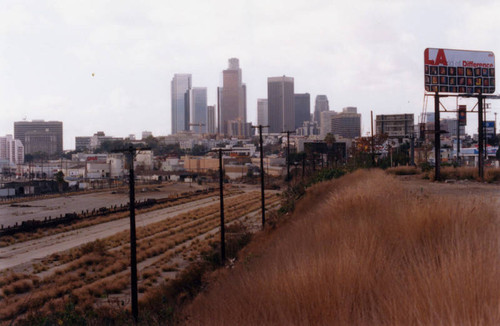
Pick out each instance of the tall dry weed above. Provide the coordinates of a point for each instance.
(364, 251)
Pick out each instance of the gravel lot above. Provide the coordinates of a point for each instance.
(39, 209)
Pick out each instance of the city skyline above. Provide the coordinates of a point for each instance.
(108, 66)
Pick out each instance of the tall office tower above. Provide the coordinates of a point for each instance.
(451, 125)
(321, 105)
(302, 109)
(40, 136)
(232, 97)
(326, 122)
(11, 150)
(262, 114)
(198, 109)
(395, 125)
(347, 123)
(82, 143)
(211, 119)
(180, 86)
(281, 106)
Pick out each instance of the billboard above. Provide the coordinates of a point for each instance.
(459, 71)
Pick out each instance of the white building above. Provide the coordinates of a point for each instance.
(11, 149)
(326, 122)
(262, 114)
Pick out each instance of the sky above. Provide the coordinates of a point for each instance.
(367, 54)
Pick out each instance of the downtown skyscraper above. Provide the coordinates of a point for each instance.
(198, 109)
(180, 86)
(232, 98)
(281, 104)
(302, 109)
(321, 105)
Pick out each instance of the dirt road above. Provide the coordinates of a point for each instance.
(24, 252)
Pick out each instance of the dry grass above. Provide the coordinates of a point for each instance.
(467, 173)
(364, 252)
(99, 268)
(404, 170)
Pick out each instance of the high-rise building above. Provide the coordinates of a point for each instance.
(395, 125)
(302, 109)
(11, 150)
(262, 114)
(232, 97)
(450, 126)
(326, 122)
(39, 136)
(198, 109)
(82, 143)
(280, 102)
(347, 123)
(320, 105)
(180, 86)
(211, 119)
(308, 128)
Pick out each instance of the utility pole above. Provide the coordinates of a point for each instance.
(130, 153)
(262, 174)
(412, 149)
(288, 132)
(373, 141)
(221, 190)
(133, 257)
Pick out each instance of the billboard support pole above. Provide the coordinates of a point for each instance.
(437, 139)
(372, 140)
(458, 139)
(480, 98)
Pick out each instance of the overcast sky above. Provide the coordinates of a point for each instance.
(367, 54)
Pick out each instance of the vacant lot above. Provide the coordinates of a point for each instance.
(39, 209)
(91, 265)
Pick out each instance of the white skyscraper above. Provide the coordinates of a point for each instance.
(11, 150)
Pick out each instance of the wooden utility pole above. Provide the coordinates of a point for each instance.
(133, 250)
(221, 190)
(263, 203)
(288, 132)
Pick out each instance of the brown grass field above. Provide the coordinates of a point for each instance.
(366, 250)
(97, 273)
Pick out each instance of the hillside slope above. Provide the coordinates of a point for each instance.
(363, 250)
